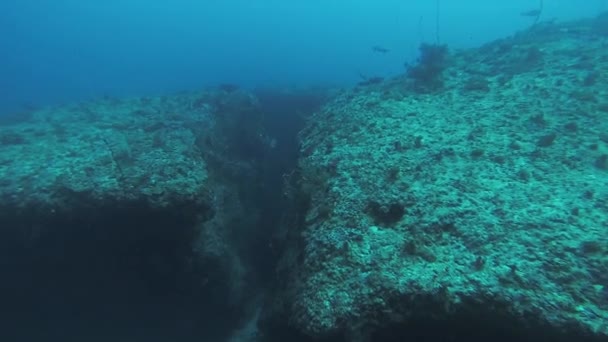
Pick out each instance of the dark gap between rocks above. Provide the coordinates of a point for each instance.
(131, 271)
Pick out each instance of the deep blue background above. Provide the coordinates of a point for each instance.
(55, 51)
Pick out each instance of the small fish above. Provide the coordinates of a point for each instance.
(228, 87)
(379, 49)
(367, 81)
(531, 13)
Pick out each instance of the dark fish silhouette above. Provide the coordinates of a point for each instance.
(379, 49)
(531, 13)
(366, 81)
(535, 13)
(371, 81)
(228, 87)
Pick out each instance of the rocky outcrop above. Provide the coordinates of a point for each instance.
(126, 212)
(476, 211)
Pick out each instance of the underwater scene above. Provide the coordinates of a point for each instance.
(270, 171)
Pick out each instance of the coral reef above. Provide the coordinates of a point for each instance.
(428, 72)
(471, 205)
(131, 206)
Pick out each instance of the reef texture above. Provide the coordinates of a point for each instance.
(153, 152)
(481, 197)
(108, 202)
(105, 152)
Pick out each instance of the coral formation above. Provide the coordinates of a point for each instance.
(428, 72)
(478, 194)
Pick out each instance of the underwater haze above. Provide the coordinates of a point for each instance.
(303, 171)
(64, 51)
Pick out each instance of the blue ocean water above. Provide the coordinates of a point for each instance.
(175, 203)
(62, 51)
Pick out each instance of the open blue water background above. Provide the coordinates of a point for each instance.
(62, 51)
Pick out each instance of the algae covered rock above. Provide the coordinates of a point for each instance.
(124, 211)
(468, 214)
(99, 154)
